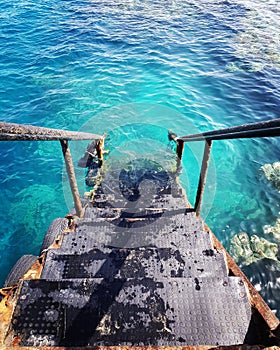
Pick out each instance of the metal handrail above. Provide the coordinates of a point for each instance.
(21, 132)
(261, 129)
(270, 128)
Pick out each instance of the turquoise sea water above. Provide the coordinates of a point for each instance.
(135, 69)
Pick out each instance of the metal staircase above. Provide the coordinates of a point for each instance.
(150, 276)
(135, 265)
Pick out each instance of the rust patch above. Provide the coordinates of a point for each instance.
(72, 222)
(7, 306)
(16, 341)
(5, 291)
(56, 244)
(35, 271)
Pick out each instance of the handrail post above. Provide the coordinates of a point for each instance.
(202, 178)
(99, 151)
(71, 177)
(179, 151)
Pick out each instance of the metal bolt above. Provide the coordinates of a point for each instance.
(225, 283)
(242, 295)
(241, 283)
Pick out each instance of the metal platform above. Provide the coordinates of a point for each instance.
(133, 275)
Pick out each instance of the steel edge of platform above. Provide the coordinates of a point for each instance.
(200, 347)
(255, 298)
(7, 306)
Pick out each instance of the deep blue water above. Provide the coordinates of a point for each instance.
(135, 69)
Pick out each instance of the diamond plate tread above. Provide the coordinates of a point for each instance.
(133, 263)
(93, 212)
(181, 231)
(106, 205)
(131, 312)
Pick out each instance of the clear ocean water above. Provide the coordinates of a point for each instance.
(135, 69)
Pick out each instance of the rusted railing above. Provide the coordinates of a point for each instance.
(20, 132)
(270, 128)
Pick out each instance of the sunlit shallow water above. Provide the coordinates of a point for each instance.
(135, 70)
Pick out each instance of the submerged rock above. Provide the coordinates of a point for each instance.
(240, 248)
(272, 173)
(246, 250)
(244, 67)
(274, 230)
(262, 248)
(258, 40)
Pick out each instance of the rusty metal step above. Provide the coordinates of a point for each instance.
(182, 231)
(133, 263)
(111, 202)
(178, 311)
